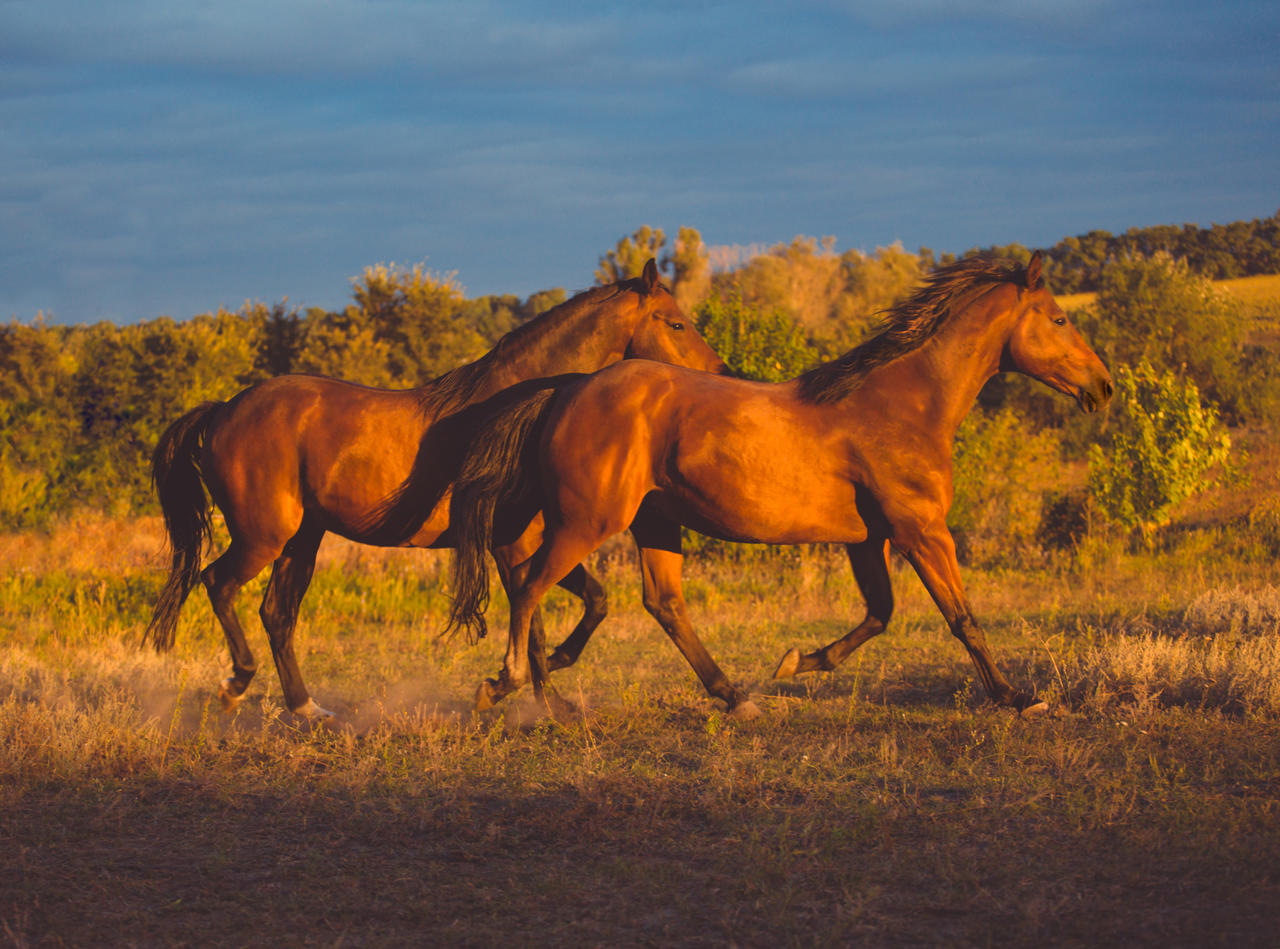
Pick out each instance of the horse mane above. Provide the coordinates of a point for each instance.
(458, 387)
(908, 325)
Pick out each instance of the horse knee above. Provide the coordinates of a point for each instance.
(664, 607)
(595, 604)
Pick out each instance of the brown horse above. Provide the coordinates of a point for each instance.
(856, 451)
(295, 456)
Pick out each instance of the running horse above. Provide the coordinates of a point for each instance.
(856, 451)
(293, 457)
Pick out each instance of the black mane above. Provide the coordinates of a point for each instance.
(906, 326)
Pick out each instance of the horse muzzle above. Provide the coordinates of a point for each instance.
(1095, 397)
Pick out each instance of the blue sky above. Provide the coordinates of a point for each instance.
(160, 158)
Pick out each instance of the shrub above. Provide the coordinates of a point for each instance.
(1004, 470)
(1158, 450)
(765, 346)
(1156, 310)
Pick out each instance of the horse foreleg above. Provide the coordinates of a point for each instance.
(870, 563)
(932, 552)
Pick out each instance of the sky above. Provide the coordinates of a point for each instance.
(165, 158)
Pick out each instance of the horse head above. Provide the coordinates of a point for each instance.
(1045, 345)
(662, 330)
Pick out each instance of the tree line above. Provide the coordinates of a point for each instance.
(1219, 252)
(81, 407)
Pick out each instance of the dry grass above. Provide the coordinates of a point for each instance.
(1259, 296)
(883, 803)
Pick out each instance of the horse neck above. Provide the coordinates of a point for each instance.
(588, 341)
(581, 339)
(949, 370)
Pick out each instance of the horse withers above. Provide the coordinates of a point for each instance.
(857, 451)
(293, 457)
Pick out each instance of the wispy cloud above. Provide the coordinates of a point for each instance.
(171, 157)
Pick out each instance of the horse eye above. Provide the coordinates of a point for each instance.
(676, 326)
(1061, 321)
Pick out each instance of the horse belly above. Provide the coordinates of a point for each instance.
(774, 500)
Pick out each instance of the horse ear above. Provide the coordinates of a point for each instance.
(650, 275)
(1035, 272)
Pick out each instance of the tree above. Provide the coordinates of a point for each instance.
(419, 317)
(628, 257)
(768, 347)
(1005, 469)
(691, 268)
(1156, 309)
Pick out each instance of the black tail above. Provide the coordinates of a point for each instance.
(499, 468)
(175, 472)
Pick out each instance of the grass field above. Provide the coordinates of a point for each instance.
(883, 803)
(1259, 295)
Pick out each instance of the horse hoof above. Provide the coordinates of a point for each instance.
(484, 696)
(789, 665)
(745, 711)
(561, 709)
(228, 695)
(313, 712)
(1034, 710)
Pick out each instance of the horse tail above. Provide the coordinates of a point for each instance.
(175, 472)
(499, 468)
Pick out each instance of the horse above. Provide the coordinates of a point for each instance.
(296, 456)
(857, 451)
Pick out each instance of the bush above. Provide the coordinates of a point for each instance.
(1004, 471)
(1158, 450)
(765, 346)
(1156, 310)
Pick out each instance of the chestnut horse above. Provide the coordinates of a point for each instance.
(295, 456)
(856, 451)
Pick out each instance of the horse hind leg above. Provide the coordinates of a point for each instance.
(223, 579)
(660, 566)
(290, 576)
(513, 574)
(558, 553)
(870, 563)
(595, 607)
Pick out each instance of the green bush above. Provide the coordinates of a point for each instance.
(1004, 470)
(1158, 450)
(765, 346)
(1156, 309)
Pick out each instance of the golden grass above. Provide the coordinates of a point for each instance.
(1259, 291)
(883, 803)
(1260, 295)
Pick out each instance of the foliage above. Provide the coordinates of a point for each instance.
(1158, 450)
(1004, 471)
(1157, 310)
(767, 347)
(416, 316)
(82, 406)
(630, 254)
(1218, 252)
(836, 297)
(691, 269)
